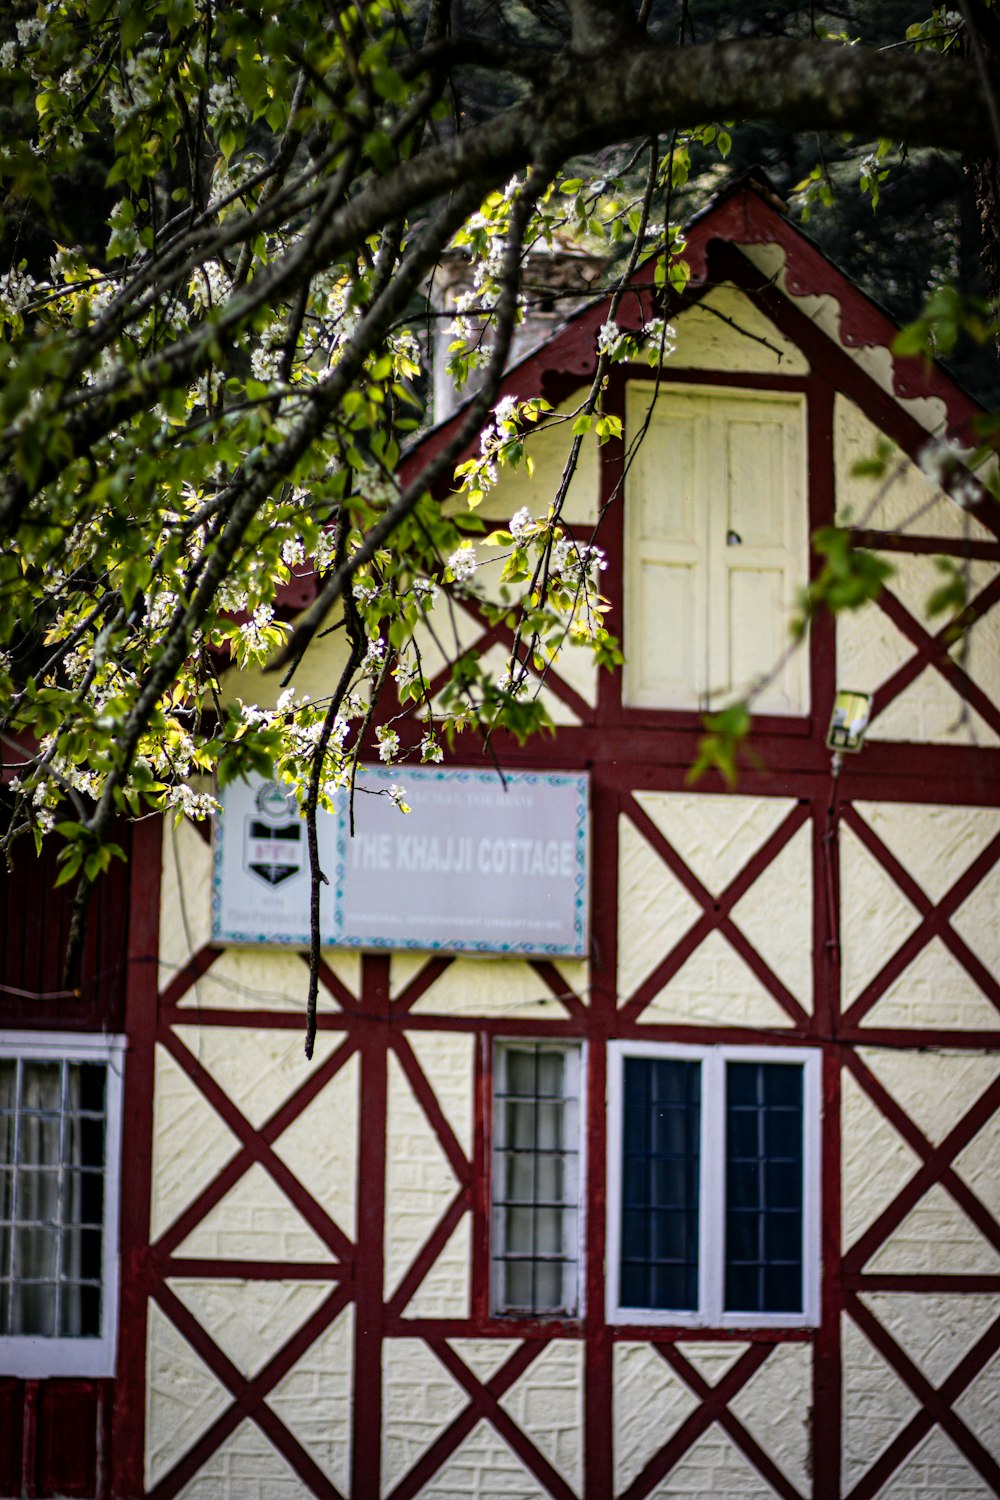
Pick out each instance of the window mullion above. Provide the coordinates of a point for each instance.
(713, 1187)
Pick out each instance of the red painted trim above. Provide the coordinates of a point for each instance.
(962, 1284)
(827, 1392)
(822, 644)
(29, 1440)
(482, 1178)
(648, 1333)
(913, 1037)
(366, 1438)
(127, 1456)
(249, 1020)
(598, 1435)
(222, 1269)
(910, 542)
(598, 1396)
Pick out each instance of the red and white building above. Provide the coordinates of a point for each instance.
(710, 1211)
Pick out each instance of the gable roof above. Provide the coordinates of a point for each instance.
(745, 231)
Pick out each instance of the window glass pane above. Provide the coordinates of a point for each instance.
(80, 1311)
(660, 1183)
(38, 1139)
(34, 1309)
(41, 1086)
(92, 1077)
(764, 1191)
(35, 1252)
(6, 1194)
(536, 1146)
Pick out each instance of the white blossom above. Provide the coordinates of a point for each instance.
(293, 552)
(210, 285)
(430, 750)
(940, 458)
(462, 564)
(192, 804)
(374, 655)
(388, 743)
(521, 524)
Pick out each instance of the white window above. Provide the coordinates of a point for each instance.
(537, 1172)
(60, 1125)
(713, 1185)
(716, 547)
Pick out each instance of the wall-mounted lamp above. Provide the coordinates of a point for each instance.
(849, 720)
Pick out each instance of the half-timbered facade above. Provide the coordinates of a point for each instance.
(713, 1211)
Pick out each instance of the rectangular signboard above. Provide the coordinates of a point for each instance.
(478, 865)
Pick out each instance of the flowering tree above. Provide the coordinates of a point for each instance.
(220, 221)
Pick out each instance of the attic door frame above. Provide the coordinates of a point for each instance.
(716, 404)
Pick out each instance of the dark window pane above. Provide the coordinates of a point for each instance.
(81, 1254)
(783, 1236)
(783, 1133)
(763, 1187)
(660, 1184)
(85, 1138)
(743, 1235)
(783, 1184)
(91, 1078)
(742, 1289)
(6, 1194)
(743, 1183)
(741, 1127)
(783, 1084)
(783, 1288)
(8, 1083)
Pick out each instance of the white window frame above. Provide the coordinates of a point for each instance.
(577, 1050)
(712, 1194)
(35, 1356)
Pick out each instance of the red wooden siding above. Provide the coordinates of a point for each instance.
(34, 926)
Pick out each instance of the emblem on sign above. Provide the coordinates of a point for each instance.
(273, 842)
